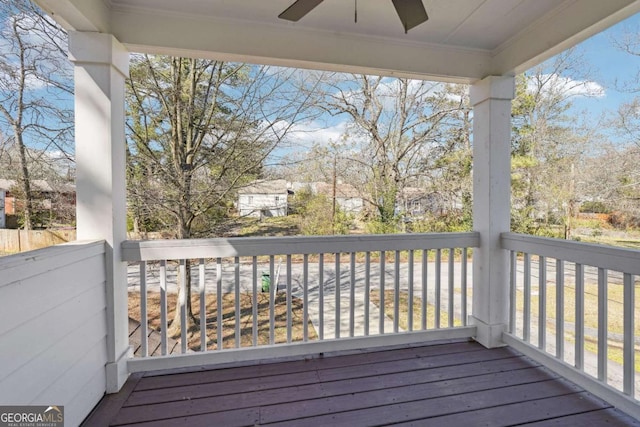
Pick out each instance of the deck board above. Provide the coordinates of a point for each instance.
(447, 383)
(423, 362)
(331, 388)
(520, 412)
(400, 400)
(154, 340)
(593, 418)
(418, 409)
(320, 363)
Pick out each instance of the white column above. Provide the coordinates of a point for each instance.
(101, 66)
(491, 100)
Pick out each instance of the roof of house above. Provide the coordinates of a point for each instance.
(413, 193)
(39, 185)
(263, 186)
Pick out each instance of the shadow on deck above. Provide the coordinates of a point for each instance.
(452, 383)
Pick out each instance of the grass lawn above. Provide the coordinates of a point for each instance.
(615, 319)
(229, 318)
(630, 242)
(275, 226)
(403, 321)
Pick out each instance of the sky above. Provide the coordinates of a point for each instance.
(611, 68)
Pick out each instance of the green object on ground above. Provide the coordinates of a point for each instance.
(266, 281)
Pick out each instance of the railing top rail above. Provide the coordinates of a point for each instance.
(611, 258)
(28, 264)
(149, 250)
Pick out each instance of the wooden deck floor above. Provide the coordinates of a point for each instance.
(154, 340)
(454, 383)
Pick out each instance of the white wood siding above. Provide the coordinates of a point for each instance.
(267, 204)
(53, 328)
(350, 205)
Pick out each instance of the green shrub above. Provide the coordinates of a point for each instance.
(315, 212)
(594, 207)
(378, 227)
(454, 222)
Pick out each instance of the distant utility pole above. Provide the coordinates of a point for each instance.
(335, 177)
(572, 202)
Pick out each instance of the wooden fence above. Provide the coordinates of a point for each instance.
(14, 241)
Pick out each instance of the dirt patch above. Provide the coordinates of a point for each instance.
(229, 318)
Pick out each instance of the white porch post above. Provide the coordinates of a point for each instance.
(491, 100)
(101, 66)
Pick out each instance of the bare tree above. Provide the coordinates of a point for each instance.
(548, 140)
(613, 180)
(198, 131)
(448, 169)
(395, 124)
(35, 89)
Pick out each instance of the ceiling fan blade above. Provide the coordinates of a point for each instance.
(411, 12)
(299, 9)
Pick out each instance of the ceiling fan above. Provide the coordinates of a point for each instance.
(411, 12)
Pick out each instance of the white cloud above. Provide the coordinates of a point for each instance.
(306, 135)
(553, 83)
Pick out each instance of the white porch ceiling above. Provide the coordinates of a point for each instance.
(463, 40)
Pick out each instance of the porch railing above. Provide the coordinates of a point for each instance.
(327, 293)
(573, 307)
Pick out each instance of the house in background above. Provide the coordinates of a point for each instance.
(264, 198)
(270, 198)
(8, 198)
(415, 202)
(348, 198)
(52, 200)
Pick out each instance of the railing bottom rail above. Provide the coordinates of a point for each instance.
(295, 350)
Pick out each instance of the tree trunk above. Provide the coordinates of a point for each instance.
(184, 292)
(184, 296)
(25, 181)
